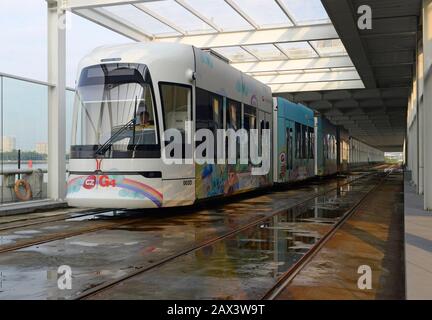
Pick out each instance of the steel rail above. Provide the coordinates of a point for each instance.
(42, 220)
(65, 235)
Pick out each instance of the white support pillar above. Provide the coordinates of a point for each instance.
(414, 135)
(427, 100)
(421, 117)
(56, 101)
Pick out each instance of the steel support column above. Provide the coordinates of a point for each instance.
(56, 100)
(427, 99)
(421, 123)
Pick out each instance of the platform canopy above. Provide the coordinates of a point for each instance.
(290, 45)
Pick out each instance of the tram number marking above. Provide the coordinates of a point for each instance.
(103, 181)
(187, 182)
(90, 182)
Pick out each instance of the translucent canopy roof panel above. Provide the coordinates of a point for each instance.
(265, 13)
(222, 14)
(265, 52)
(235, 54)
(143, 21)
(307, 12)
(327, 48)
(298, 50)
(289, 44)
(176, 15)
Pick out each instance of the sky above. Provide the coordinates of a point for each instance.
(23, 52)
(23, 39)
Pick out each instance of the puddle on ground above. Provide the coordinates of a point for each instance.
(11, 238)
(27, 232)
(102, 216)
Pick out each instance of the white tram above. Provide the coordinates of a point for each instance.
(127, 96)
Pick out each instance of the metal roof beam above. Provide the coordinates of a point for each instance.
(290, 65)
(107, 20)
(309, 77)
(88, 4)
(243, 14)
(285, 10)
(317, 86)
(198, 15)
(160, 18)
(267, 36)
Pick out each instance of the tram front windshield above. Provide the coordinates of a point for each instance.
(114, 113)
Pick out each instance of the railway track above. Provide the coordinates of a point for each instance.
(130, 221)
(41, 220)
(289, 275)
(108, 285)
(64, 235)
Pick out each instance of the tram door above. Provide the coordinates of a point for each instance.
(261, 126)
(265, 121)
(269, 125)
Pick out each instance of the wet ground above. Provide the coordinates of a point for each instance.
(240, 266)
(376, 232)
(247, 264)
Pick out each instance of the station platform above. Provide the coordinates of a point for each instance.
(418, 245)
(373, 237)
(30, 206)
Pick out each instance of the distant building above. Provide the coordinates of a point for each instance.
(8, 145)
(394, 156)
(42, 148)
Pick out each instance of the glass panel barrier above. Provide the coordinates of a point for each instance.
(24, 137)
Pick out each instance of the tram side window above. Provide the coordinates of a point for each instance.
(249, 121)
(233, 115)
(326, 146)
(311, 143)
(305, 142)
(233, 121)
(209, 112)
(176, 105)
(204, 116)
(333, 147)
(298, 140)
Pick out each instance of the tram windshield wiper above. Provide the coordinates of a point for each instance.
(104, 148)
(108, 144)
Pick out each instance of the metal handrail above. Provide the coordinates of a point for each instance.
(39, 82)
(21, 171)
